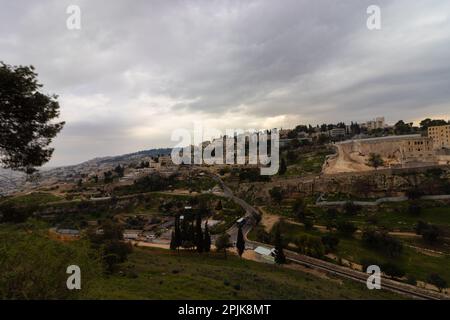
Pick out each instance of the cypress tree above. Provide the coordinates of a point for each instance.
(283, 167)
(199, 234)
(207, 239)
(178, 240)
(280, 258)
(173, 245)
(240, 243)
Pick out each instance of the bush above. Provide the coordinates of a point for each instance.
(351, 209)
(330, 242)
(381, 241)
(436, 280)
(392, 270)
(310, 246)
(346, 228)
(430, 233)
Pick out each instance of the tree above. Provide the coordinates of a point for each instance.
(240, 243)
(120, 171)
(310, 246)
(199, 234)
(383, 242)
(173, 244)
(280, 258)
(276, 194)
(403, 128)
(430, 233)
(207, 239)
(177, 232)
(110, 245)
(414, 193)
(330, 242)
(283, 167)
(27, 117)
(299, 209)
(223, 242)
(425, 124)
(375, 160)
(347, 228)
(436, 280)
(351, 209)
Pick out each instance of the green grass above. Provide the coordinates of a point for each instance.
(414, 263)
(153, 274)
(308, 163)
(32, 199)
(395, 216)
(168, 275)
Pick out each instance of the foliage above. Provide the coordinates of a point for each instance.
(276, 194)
(437, 280)
(240, 242)
(330, 242)
(27, 117)
(280, 258)
(223, 242)
(346, 227)
(381, 241)
(375, 160)
(34, 267)
(310, 246)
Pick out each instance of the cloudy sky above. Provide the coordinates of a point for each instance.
(139, 69)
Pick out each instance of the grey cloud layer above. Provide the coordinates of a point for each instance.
(139, 69)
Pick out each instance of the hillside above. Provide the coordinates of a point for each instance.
(162, 274)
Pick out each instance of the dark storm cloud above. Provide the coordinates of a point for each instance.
(136, 70)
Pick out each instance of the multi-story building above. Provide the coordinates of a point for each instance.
(377, 123)
(419, 149)
(440, 136)
(337, 132)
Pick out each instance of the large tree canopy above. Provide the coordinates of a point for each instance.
(27, 116)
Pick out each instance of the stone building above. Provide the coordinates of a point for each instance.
(418, 149)
(440, 136)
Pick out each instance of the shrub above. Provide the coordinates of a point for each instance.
(346, 228)
(436, 280)
(330, 242)
(381, 241)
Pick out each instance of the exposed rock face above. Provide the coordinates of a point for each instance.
(381, 183)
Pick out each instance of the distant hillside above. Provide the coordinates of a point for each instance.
(11, 181)
(133, 156)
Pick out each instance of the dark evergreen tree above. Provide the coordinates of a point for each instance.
(173, 243)
(199, 234)
(240, 243)
(178, 239)
(207, 239)
(280, 258)
(283, 167)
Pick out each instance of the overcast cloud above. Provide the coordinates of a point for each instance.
(139, 69)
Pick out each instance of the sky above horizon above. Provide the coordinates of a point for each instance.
(137, 70)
